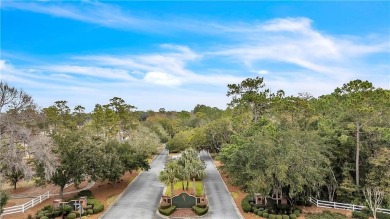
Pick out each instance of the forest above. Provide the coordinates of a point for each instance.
(334, 147)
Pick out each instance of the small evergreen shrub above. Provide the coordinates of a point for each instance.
(293, 216)
(285, 217)
(167, 211)
(71, 216)
(256, 211)
(56, 213)
(49, 215)
(246, 206)
(89, 211)
(297, 212)
(265, 215)
(278, 216)
(359, 215)
(260, 213)
(272, 216)
(44, 217)
(200, 211)
(87, 193)
(380, 215)
(201, 205)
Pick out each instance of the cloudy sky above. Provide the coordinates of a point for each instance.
(179, 54)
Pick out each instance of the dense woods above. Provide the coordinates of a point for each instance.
(335, 147)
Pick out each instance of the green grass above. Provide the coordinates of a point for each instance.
(178, 186)
(326, 215)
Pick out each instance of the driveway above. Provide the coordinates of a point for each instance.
(219, 198)
(141, 198)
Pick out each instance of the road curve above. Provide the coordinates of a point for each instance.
(219, 198)
(141, 198)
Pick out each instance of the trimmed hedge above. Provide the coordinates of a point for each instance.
(293, 216)
(97, 205)
(265, 215)
(200, 211)
(246, 206)
(278, 217)
(44, 217)
(297, 212)
(167, 211)
(285, 217)
(87, 193)
(89, 211)
(71, 216)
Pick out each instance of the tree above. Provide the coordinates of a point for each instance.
(191, 166)
(170, 174)
(70, 149)
(250, 92)
(378, 180)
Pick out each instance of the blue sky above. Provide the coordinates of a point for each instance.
(175, 55)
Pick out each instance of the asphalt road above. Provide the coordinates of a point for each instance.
(141, 198)
(220, 201)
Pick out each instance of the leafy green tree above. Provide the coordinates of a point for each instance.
(70, 149)
(3, 200)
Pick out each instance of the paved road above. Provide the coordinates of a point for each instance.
(141, 198)
(220, 201)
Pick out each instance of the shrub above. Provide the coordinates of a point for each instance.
(97, 205)
(56, 213)
(271, 216)
(89, 211)
(71, 216)
(200, 211)
(167, 211)
(201, 205)
(359, 215)
(381, 215)
(39, 215)
(87, 193)
(297, 212)
(285, 217)
(260, 213)
(278, 216)
(165, 205)
(49, 215)
(265, 215)
(293, 216)
(48, 208)
(44, 217)
(246, 207)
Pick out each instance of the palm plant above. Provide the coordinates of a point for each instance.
(170, 174)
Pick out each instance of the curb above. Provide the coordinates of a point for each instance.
(227, 189)
(127, 187)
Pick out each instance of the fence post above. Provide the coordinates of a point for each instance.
(23, 208)
(317, 202)
(310, 199)
(334, 204)
(40, 198)
(353, 207)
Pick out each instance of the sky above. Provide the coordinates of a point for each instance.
(175, 55)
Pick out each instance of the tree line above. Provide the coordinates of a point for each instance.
(334, 147)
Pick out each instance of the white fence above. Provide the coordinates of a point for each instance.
(27, 205)
(352, 207)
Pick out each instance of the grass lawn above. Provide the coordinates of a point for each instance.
(178, 188)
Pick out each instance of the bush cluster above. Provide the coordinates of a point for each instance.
(97, 205)
(167, 211)
(200, 211)
(71, 216)
(87, 193)
(246, 206)
(94, 206)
